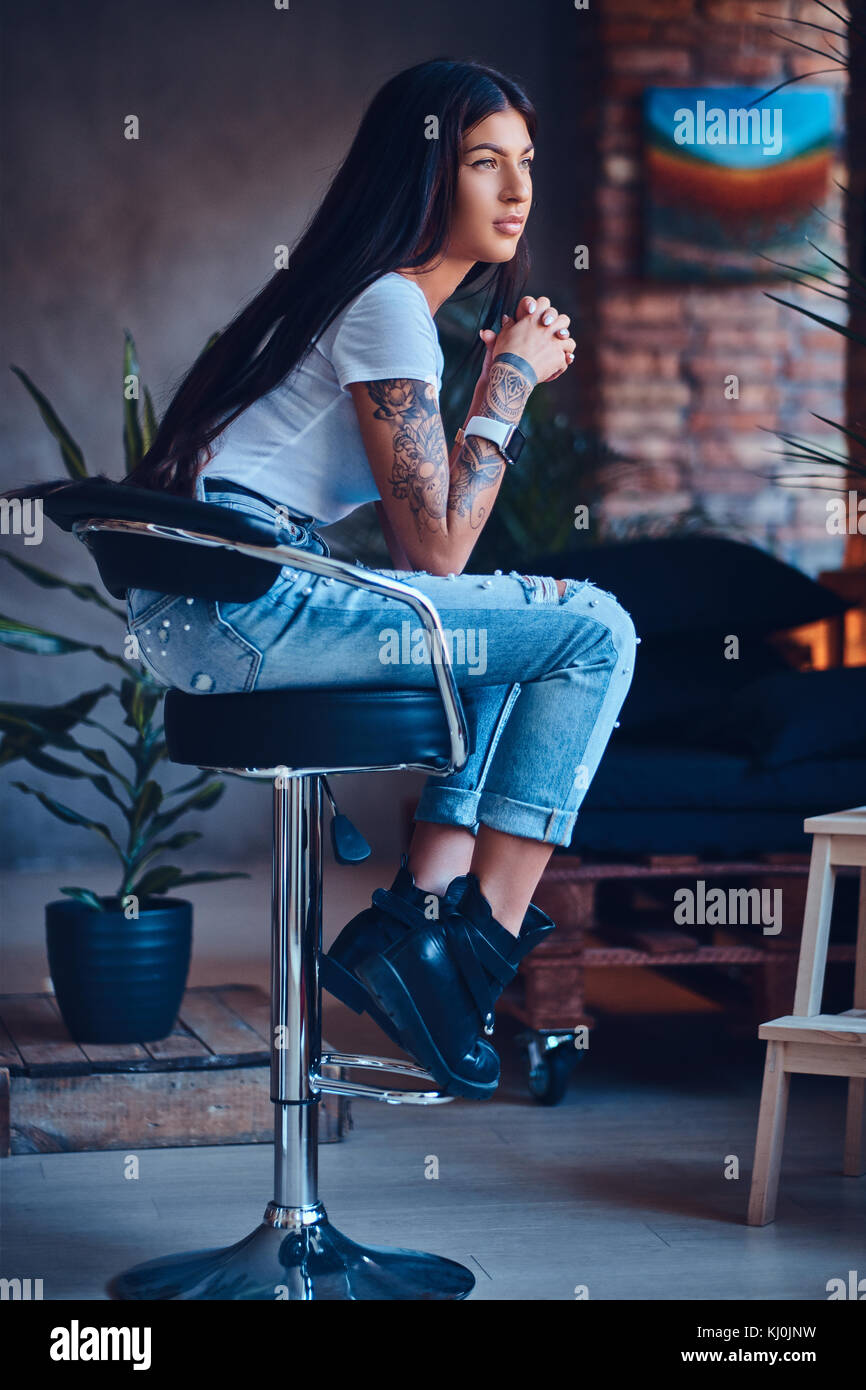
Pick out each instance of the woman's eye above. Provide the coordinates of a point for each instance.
(491, 163)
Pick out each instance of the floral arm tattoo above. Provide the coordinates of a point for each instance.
(420, 472)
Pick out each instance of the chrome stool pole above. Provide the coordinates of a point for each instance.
(296, 1029)
(295, 1254)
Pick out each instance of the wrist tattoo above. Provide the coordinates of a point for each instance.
(510, 382)
(520, 363)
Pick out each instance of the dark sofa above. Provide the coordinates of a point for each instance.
(717, 756)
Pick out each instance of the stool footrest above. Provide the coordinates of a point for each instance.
(334, 1086)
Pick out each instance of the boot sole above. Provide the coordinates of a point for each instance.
(343, 985)
(387, 988)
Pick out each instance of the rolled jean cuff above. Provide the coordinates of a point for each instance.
(449, 806)
(523, 818)
(457, 806)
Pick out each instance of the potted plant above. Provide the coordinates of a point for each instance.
(118, 962)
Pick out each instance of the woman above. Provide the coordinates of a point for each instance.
(340, 407)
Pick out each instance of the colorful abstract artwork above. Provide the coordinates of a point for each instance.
(733, 175)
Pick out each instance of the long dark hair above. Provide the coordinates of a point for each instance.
(390, 205)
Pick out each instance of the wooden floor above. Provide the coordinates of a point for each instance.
(621, 1188)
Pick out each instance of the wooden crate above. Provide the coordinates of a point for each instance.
(208, 1082)
(550, 989)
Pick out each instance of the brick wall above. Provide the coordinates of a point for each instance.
(661, 350)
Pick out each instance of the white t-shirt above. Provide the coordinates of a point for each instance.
(301, 443)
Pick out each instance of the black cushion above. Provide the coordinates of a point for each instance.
(678, 680)
(324, 728)
(789, 717)
(167, 566)
(695, 779)
(685, 584)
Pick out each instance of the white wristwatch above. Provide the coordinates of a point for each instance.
(508, 439)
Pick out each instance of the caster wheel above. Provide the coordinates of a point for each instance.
(548, 1075)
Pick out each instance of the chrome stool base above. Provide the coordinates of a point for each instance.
(295, 1253)
(294, 1262)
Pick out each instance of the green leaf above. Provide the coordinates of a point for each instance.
(146, 805)
(103, 785)
(155, 754)
(100, 758)
(128, 745)
(32, 755)
(112, 659)
(65, 813)
(55, 718)
(37, 640)
(73, 459)
(29, 727)
(149, 424)
(179, 841)
(138, 703)
(156, 881)
(202, 800)
(843, 429)
(852, 274)
(209, 344)
(45, 763)
(45, 580)
(819, 318)
(198, 781)
(132, 442)
(84, 895)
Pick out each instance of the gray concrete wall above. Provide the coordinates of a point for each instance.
(245, 111)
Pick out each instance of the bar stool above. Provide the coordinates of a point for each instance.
(292, 738)
(807, 1040)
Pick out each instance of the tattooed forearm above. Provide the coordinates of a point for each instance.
(419, 473)
(438, 490)
(479, 466)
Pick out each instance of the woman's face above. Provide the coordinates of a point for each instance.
(494, 189)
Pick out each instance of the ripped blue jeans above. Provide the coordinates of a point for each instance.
(542, 678)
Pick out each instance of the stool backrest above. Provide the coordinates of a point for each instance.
(144, 561)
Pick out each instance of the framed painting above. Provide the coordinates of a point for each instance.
(734, 176)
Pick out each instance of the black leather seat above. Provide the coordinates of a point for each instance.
(316, 728)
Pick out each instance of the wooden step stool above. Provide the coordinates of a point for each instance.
(807, 1040)
(208, 1082)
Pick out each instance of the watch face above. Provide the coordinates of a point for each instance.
(515, 445)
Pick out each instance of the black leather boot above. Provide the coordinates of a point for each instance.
(395, 911)
(439, 984)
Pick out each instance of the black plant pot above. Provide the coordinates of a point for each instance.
(119, 979)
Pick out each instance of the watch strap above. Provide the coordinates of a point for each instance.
(507, 437)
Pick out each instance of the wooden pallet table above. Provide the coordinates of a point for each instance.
(208, 1082)
(549, 993)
